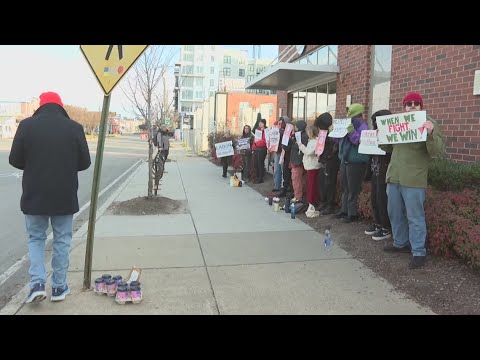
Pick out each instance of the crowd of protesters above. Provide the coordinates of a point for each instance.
(398, 178)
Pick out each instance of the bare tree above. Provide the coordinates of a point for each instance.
(141, 89)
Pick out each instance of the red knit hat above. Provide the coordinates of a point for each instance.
(50, 97)
(413, 97)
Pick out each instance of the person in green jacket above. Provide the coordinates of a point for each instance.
(406, 186)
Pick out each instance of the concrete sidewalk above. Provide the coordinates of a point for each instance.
(230, 254)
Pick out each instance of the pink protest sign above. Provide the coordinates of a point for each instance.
(320, 146)
(286, 134)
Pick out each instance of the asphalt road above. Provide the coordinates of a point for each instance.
(120, 153)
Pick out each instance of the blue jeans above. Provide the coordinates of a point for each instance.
(277, 175)
(62, 236)
(407, 216)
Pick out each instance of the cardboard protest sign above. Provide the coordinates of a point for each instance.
(224, 149)
(298, 137)
(274, 139)
(243, 144)
(267, 136)
(258, 135)
(402, 128)
(282, 157)
(286, 134)
(320, 144)
(340, 127)
(369, 143)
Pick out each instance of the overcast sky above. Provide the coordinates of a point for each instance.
(28, 70)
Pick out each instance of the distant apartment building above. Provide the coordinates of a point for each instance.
(13, 111)
(206, 69)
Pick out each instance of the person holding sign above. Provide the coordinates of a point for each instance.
(246, 153)
(311, 164)
(406, 185)
(277, 167)
(296, 159)
(260, 152)
(380, 229)
(329, 165)
(353, 165)
(226, 159)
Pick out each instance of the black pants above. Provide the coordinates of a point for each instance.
(328, 184)
(259, 159)
(165, 154)
(225, 161)
(246, 165)
(287, 176)
(378, 200)
(352, 175)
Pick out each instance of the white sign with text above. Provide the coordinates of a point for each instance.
(369, 143)
(340, 127)
(402, 128)
(224, 149)
(274, 139)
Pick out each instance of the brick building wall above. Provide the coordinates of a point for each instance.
(443, 75)
(354, 77)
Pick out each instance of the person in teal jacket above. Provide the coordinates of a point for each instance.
(406, 186)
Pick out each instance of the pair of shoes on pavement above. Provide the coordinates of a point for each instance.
(311, 212)
(415, 263)
(38, 293)
(378, 233)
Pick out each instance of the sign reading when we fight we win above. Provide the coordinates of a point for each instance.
(402, 128)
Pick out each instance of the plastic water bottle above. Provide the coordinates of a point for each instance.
(292, 210)
(328, 242)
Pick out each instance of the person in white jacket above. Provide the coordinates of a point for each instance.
(311, 164)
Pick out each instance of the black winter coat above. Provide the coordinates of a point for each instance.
(50, 148)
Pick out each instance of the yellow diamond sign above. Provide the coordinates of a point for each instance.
(110, 62)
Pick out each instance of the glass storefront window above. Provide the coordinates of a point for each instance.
(323, 56)
(311, 104)
(332, 54)
(322, 98)
(381, 77)
(332, 97)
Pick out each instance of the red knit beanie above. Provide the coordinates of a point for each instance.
(413, 97)
(50, 97)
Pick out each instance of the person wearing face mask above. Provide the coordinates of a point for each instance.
(406, 186)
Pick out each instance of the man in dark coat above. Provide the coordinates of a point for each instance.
(50, 148)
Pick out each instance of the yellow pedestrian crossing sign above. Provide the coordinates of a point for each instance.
(110, 62)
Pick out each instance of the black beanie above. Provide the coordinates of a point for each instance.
(379, 113)
(323, 121)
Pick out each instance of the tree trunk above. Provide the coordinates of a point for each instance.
(150, 150)
(150, 163)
